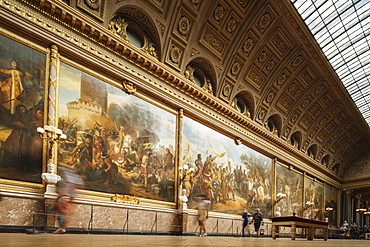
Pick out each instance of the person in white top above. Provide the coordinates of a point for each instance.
(203, 208)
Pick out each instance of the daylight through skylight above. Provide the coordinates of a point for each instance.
(342, 28)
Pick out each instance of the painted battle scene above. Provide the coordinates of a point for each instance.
(22, 80)
(289, 183)
(117, 142)
(232, 176)
(313, 192)
(331, 205)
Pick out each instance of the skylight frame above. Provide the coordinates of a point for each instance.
(343, 35)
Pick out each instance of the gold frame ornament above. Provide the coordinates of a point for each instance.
(125, 199)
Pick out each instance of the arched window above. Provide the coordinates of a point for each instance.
(273, 124)
(130, 28)
(295, 139)
(198, 71)
(311, 152)
(325, 161)
(242, 105)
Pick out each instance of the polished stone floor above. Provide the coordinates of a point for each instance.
(71, 240)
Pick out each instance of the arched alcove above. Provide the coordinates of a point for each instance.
(325, 161)
(312, 151)
(200, 71)
(244, 103)
(136, 27)
(296, 139)
(273, 124)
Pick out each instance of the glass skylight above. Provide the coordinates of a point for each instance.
(342, 30)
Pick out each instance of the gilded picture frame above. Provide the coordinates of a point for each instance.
(231, 176)
(23, 76)
(119, 143)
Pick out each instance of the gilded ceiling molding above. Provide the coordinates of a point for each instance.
(226, 115)
(161, 27)
(93, 7)
(313, 48)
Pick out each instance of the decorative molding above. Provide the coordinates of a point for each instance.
(125, 199)
(129, 86)
(93, 7)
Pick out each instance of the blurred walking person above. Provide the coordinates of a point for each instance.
(203, 208)
(66, 190)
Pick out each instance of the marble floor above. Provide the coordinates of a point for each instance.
(71, 240)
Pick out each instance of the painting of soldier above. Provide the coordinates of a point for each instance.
(232, 177)
(290, 183)
(118, 143)
(313, 199)
(22, 79)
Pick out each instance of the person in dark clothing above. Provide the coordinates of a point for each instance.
(258, 221)
(245, 217)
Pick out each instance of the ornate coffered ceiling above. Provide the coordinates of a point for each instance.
(260, 50)
(264, 50)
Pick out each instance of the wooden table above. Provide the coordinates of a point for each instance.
(295, 222)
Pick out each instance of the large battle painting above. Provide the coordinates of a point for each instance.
(289, 183)
(22, 79)
(118, 143)
(331, 205)
(313, 192)
(232, 176)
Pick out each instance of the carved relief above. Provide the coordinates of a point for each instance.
(219, 13)
(195, 3)
(286, 133)
(213, 41)
(129, 86)
(232, 24)
(140, 17)
(284, 104)
(158, 4)
(263, 57)
(93, 7)
(307, 75)
(161, 27)
(305, 122)
(294, 118)
(305, 103)
(235, 67)
(208, 87)
(175, 53)
(226, 90)
(248, 44)
(255, 78)
(184, 23)
(271, 64)
(261, 115)
(282, 78)
(280, 42)
(194, 52)
(265, 20)
(319, 89)
(298, 60)
(125, 199)
(118, 26)
(270, 97)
